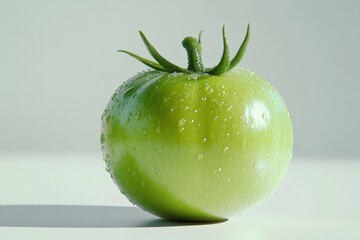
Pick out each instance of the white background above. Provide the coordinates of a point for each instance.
(59, 66)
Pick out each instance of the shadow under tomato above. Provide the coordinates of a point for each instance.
(79, 216)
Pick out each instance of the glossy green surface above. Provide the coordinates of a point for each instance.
(196, 147)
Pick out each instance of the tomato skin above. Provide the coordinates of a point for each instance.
(196, 147)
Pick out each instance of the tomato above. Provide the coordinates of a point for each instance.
(196, 144)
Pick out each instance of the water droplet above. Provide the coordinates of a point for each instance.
(268, 155)
(289, 150)
(226, 149)
(200, 156)
(157, 172)
(210, 90)
(138, 115)
(228, 134)
(182, 122)
(228, 179)
(195, 110)
(102, 138)
(107, 118)
(204, 139)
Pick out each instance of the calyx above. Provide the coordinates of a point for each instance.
(193, 48)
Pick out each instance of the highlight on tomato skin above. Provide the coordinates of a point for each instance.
(196, 143)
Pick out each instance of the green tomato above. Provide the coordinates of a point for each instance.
(196, 146)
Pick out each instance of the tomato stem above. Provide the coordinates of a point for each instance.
(193, 49)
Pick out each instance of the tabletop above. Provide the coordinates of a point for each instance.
(71, 196)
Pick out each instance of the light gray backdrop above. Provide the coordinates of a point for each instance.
(59, 66)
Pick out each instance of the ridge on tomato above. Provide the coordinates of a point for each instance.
(196, 144)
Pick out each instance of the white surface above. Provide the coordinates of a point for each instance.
(72, 197)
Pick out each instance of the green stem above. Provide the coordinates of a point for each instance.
(195, 64)
(193, 49)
